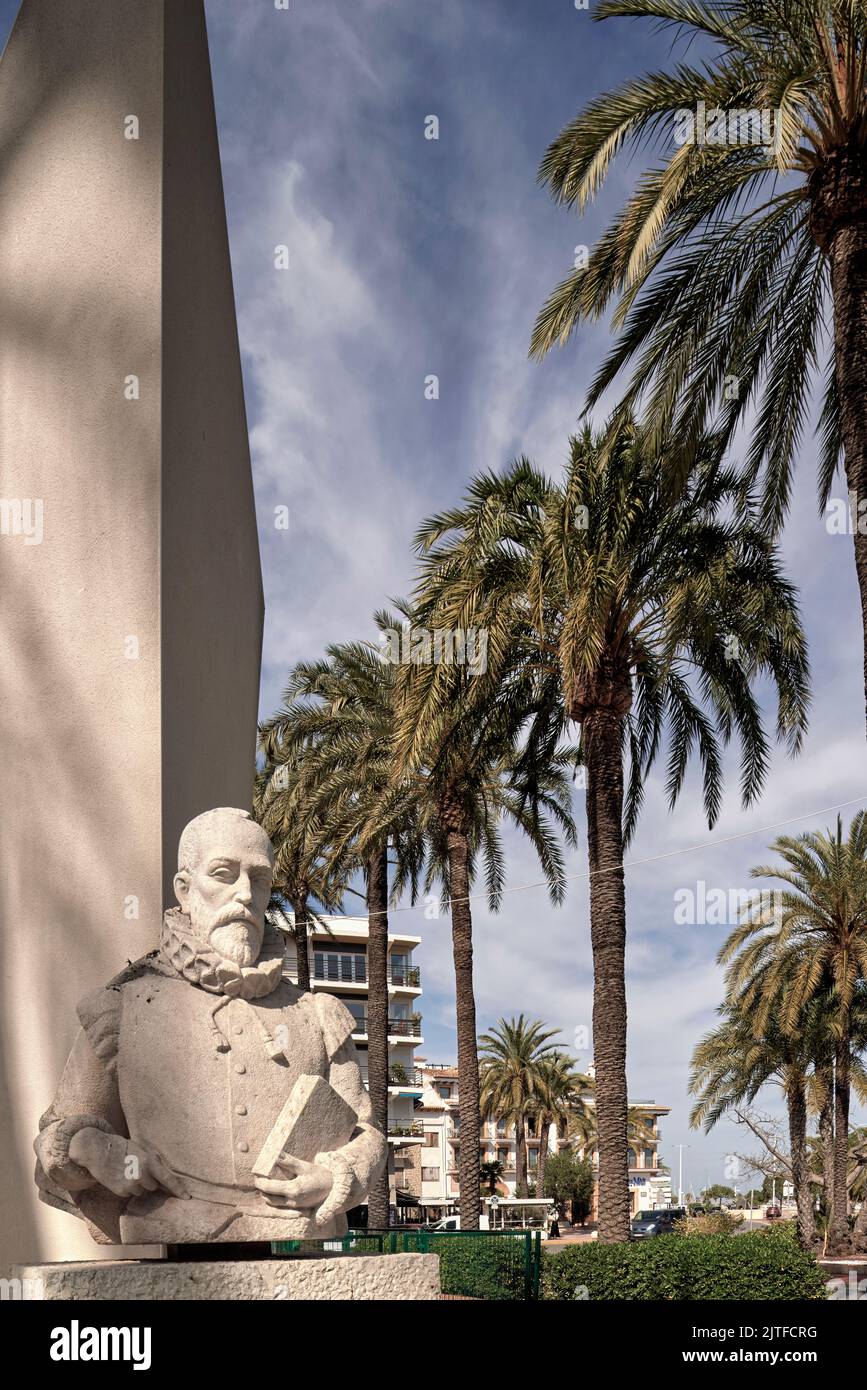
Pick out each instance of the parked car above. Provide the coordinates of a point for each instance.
(448, 1223)
(655, 1223)
(772, 1213)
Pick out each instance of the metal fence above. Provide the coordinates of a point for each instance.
(490, 1265)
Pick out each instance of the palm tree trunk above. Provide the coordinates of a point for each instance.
(797, 1107)
(826, 1134)
(601, 738)
(838, 1238)
(299, 931)
(543, 1158)
(859, 1230)
(465, 1005)
(377, 1021)
(520, 1157)
(848, 262)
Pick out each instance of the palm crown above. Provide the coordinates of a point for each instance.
(807, 948)
(605, 592)
(721, 260)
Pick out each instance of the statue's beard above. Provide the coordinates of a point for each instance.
(233, 932)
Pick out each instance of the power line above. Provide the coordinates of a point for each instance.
(651, 859)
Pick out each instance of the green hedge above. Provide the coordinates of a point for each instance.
(477, 1264)
(748, 1267)
(475, 1267)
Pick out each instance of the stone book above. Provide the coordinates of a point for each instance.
(314, 1120)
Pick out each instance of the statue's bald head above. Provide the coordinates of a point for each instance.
(217, 824)
(225, 867)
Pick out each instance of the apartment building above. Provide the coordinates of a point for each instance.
(337, 951)
(438, 1184)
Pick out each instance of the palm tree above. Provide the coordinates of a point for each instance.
(340, 711)
(628, 611)
(513, 1059)
(726, 258)
(307, 868)
(467, 772)
(491, 1173)
(731, 1064)
(811, 943)
(582, 1126)
(560, 1094)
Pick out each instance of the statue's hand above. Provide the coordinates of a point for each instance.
(308, 1188)
(126, 1167)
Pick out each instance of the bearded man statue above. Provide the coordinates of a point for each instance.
(185, 1062)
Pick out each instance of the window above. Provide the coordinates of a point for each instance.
(444, 1092)
(431, 1139)
(631, 1159)
(649, 1158)
(533, 1159)
(338, 964)
(430, 1174)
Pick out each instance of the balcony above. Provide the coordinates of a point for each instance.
(407, 1078)
(403, 1134)
(352, 970)
(339, 970)
(397, 1027)
(404, 977)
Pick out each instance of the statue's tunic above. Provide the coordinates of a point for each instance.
(195, 1057)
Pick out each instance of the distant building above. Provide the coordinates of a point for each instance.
(437, 1183)
(337, 951)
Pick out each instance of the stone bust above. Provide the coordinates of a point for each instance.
(184, 1061)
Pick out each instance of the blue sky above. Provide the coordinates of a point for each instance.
(410, 257)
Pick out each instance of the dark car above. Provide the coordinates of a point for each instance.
(655, 1223)
(772, 1213)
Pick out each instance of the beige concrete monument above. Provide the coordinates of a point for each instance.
(131, 613)
(207, 1098)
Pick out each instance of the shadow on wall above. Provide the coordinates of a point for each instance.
(79, 723)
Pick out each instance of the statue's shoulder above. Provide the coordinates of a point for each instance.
(335, 1020)
(332, 1017)
(99, 1012)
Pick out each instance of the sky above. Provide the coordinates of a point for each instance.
(410, 258)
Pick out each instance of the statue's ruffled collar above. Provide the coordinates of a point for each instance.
(202, 966)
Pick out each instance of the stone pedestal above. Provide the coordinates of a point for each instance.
(131, 617)
(318, 1278)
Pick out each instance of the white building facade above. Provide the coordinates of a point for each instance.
(439, 1185)
(337, 951)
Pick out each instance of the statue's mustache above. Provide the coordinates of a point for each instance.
(229, 916)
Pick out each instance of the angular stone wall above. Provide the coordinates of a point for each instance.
(343, 1278)
(130, 629)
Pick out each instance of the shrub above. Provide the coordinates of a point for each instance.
(480, 1266)
(781, 1230)
(712, 1223)
(704, 1267)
